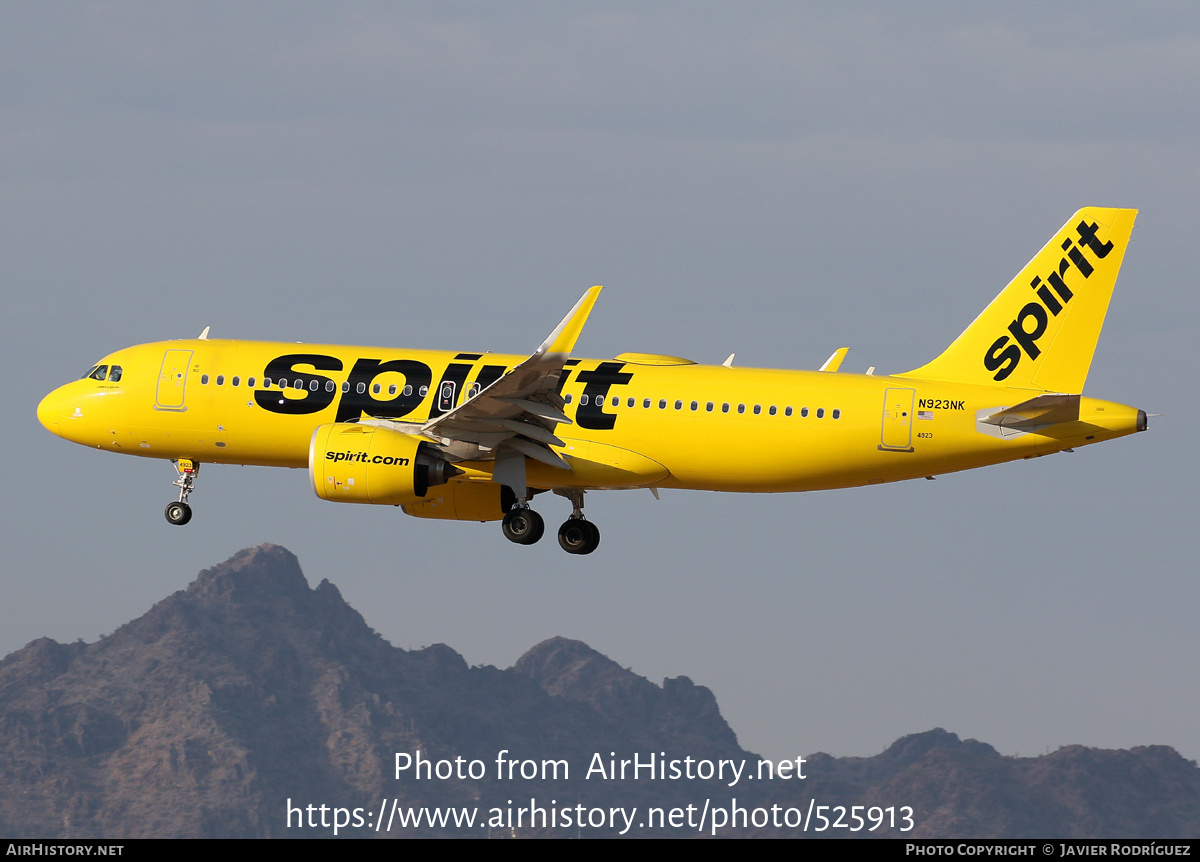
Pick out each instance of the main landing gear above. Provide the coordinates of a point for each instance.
(523, 525)
(577, 535)
(180, 513)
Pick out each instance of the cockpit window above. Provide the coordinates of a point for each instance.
(85, 375)
(114, 374)
(99, 372)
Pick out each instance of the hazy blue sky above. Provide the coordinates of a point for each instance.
(775, 179)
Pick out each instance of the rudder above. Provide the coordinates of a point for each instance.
(1041, 331)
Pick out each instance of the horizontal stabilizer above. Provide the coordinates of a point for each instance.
(1036, 413)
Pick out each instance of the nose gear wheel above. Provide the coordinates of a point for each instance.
(180, 513)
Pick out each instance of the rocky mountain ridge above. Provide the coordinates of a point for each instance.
(208, 714)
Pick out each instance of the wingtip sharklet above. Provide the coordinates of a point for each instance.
(834, 362)
(562, 339)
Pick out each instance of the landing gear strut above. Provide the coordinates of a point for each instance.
(577, 535)
(180, 513)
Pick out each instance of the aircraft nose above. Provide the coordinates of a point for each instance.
(50, 412)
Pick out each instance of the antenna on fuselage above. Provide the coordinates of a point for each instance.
(728, 363)
(204, 334)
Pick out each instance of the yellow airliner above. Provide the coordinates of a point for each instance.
(474, 436)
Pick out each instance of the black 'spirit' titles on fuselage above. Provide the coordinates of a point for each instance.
(354, 403)
(315, 399)
(596, 385)
(448, 388)
(1003, 357)
(309, 392)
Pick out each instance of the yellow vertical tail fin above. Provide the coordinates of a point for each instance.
(1041, 331)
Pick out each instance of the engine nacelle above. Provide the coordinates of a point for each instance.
(353, 463)
(465, 501)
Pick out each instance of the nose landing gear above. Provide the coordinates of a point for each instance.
(180, 513)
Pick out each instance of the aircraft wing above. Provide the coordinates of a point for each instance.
(522, 408)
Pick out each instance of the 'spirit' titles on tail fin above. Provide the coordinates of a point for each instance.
(1041, 331)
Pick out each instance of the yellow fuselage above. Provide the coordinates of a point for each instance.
(660, 422)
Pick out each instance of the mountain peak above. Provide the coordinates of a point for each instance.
(210, 713)
(251, 575)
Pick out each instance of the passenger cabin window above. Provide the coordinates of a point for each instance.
(646, 403)
(820, 412)
(346, 386)
(204, 379)
(220, 379)
(567, 399)
(424, 391)
(583, 400)
(408, 389)
(330, 386)
(804, 412)
(772, 410)
(725, 407)
(375, 390)
(837, 414)
(616, 402)
(266, 382)
(235, 381)
(741, 408)
(678, 405)
(392, 389)
(361, 388)
(662, 404)
(787, 411)
(299, 384)
(695, 404)
(757, 409)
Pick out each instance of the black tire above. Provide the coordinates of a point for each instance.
(577, 536)
(593, 541)
(523, 526)
(573, 535)
(178, 513)
(539, 528)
